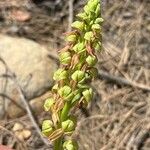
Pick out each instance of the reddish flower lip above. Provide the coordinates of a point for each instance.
(2, 147)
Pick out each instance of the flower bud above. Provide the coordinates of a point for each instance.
(99, 20)
(47, 127)
(65, 58)
(48, 104)
(96, 27)
(91, 60)
(82, 16)
(60, 74)
(87, 9)
(79, 48)
(89, 36)
(78, 25)
(78, 76)
(88, 94)
(71, 38)
(69, 125)
(66, 93)
(92, 5)
(98, 8)
(70, 145)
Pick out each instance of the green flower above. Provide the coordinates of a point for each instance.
(71, 38)
(91, 60)
(47, 127)
(48, 104)
(89, 36)
(69, 125)
(60, 74)
(65, 58)
(66, 93)
(88, 94)
(78, 25)
(78, 76)
(70, 145)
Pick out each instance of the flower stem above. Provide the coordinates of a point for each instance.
(65, 111)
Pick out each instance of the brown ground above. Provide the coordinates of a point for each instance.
(119, 116)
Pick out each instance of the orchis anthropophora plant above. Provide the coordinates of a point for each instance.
(76, 71)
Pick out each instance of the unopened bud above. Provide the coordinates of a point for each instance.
(65, 58)
(89, 36)
(69, 125)
(48, 104)
(78, 25)
(60, 74)
(47, 127)
(91, 60)
(70, 145)
(78, 76)
(88, 94)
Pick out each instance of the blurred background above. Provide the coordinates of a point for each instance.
(31, 33)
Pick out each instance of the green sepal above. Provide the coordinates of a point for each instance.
(78, 25)
(97, 45)
(60, 74)
(88, 94)
(65, 58)
(91, 60)
(47, 127)
(48, 104)
(70, 145)
(93, 72)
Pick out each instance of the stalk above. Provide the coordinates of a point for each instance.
(77, 70)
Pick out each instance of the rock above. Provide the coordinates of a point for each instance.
(36, 105)
(30, 63)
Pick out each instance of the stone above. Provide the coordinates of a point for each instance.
(31, 64)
